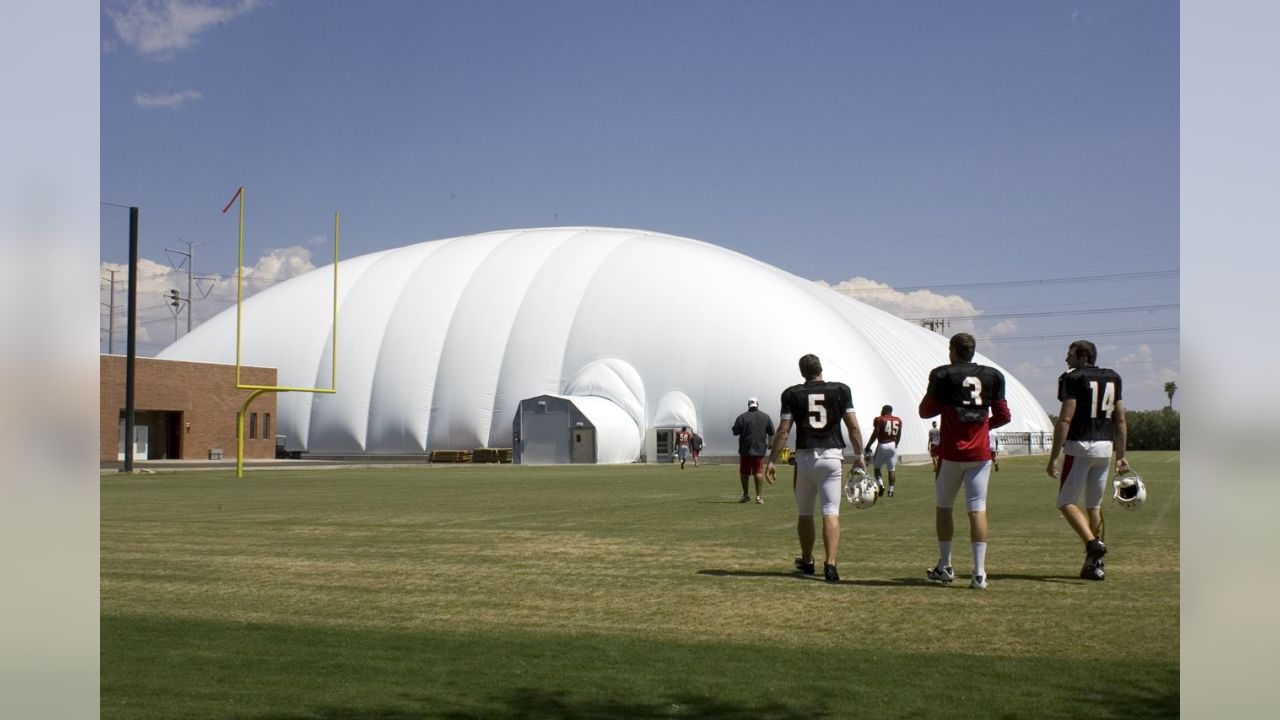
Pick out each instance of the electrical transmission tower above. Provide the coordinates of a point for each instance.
(937, 325)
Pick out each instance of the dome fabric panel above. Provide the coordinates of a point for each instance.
(439, 341)
(614, 380)
(533, 359)
(676, 410)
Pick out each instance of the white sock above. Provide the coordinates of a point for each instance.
(980, 559)
(944, 553)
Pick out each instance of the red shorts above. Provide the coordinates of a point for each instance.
(933, 451)
(750, 464)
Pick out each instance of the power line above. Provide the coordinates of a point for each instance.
(1089, 304)
(955, 231)
(1054, 313)
(1154, 274)
(1090, 333)
(1153, 361)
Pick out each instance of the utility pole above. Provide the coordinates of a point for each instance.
(111, 316)
(190, 255)
(176, 301)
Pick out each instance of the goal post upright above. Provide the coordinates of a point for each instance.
(261, 389)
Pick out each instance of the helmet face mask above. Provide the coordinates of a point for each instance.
(1130, 492)
(860, 490)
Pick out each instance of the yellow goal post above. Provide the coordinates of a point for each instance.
(260, 389)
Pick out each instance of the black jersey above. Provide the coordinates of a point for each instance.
(1096, 391)
(971, 389)
(970, 399)
(817, 408)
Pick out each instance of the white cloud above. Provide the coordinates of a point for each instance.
(1144, 377)
(161, 28)
(212, 294)
(911, 305)
(169, 101)
(280, 264)
(1143, 354)
(1004, 327)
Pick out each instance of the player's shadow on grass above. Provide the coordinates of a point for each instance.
(891, 582)
(759, 574)
(887, 582)
(1070, 579)
(793, 575)
(960, 581)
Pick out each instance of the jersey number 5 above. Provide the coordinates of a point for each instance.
(1104, 405)
(817, 413)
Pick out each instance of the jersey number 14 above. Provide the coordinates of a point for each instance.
(1102, 406)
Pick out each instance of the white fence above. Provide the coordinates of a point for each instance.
(1025, 443)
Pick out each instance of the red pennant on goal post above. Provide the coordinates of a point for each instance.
(233, 199)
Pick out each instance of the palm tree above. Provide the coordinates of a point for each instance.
(1169, 389)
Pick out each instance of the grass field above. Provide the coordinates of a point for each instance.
(617, 592)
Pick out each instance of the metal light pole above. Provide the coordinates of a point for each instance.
(131, 342)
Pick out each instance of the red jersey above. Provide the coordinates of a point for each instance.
(887, 429)
(682, 438)
(970, 399)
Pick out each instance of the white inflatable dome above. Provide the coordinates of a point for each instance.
(439, 342)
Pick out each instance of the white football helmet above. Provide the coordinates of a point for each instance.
(1131, 492)
(860, 490)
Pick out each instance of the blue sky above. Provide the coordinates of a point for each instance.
(932, 158)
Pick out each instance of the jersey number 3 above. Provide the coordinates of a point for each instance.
(974, 386)
(1104, 405)
(817, 413)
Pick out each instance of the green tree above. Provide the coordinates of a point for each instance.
(1169, 389)
(1153, 429)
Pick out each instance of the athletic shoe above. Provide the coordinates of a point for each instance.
(880, 488)
(979, 582)
(803, 567)
(1094, 550)
(941, 574)
(1092, 572)
(759, 500)
(744, 498)
(890, 491)
(829, 572)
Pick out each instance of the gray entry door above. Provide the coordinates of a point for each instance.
(584, 445)
(544, 438)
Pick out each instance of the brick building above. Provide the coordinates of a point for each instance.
(188, 409)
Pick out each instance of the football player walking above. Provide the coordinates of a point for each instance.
(886, 433)
(816, 408)
(970, 400)
(1090, 425)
